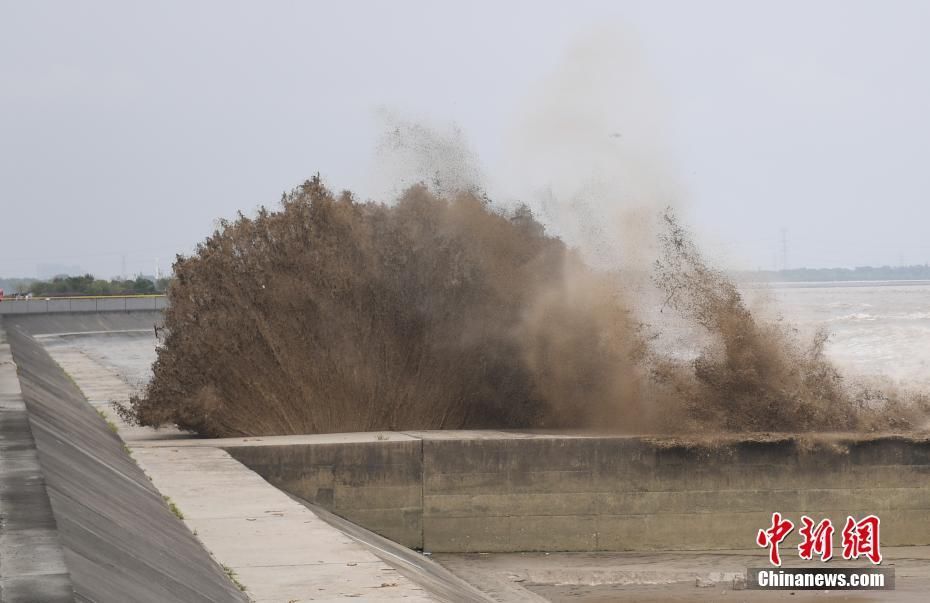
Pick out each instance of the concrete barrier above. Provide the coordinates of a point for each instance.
(376, 484)
(54, 305)
(60, 305)
(83, 305)
(471, 491)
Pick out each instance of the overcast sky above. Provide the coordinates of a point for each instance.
(128, 128)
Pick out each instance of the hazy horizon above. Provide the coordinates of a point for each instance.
(127, 130)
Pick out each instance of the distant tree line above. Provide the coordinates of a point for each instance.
(88, 285)
(917, 272)
(85, 284)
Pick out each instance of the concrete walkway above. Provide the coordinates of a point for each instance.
(279, 550)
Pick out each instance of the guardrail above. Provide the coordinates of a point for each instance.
(105, 303)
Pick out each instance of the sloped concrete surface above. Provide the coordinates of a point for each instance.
(77, 323)
(120, 541)
(418, 567)
(32, 565)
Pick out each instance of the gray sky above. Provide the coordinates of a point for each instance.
(130, 127)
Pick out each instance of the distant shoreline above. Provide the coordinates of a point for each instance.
(859, 274)
(837, 283)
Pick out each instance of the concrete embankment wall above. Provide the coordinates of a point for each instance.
(120, 541)
(374, 483)
(473, 491)
(68, 305)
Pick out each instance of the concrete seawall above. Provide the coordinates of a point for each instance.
(374, 483)
(90, 304)
(497, 491)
